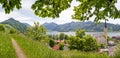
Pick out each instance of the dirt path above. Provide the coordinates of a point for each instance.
(18, 50)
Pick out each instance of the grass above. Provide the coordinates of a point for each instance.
(6, 48)
(34, 49)
(79, 54)
(117, 51)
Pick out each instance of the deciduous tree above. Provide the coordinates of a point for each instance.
(36, 32)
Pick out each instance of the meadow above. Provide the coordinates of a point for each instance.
(6, 47)
(35, 49)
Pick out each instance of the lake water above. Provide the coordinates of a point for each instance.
(91, 33)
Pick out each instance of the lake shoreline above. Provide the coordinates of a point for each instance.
(91, 33)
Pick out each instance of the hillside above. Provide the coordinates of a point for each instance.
(88, 26)
(16, 24)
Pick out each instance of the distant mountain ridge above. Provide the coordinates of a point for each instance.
(16, 24)
(88, 26)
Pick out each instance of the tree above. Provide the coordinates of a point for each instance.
(80, 33)
(2, 28)
(83, 43)
(9, 5)
(62, 36)
(51, 43)
(50, 8)
(36, 32)
(12, 30)
(72, 42)
(101, 9)
(90, 43)
(61, 46)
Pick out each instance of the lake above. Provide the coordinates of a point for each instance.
(91, 33)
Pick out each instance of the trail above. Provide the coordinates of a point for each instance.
(18, 50)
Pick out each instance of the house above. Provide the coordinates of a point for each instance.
(100, 38)
(116, 37)
(56, 46)
(58, 41)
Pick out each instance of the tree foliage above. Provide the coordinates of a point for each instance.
(90, 43)
(61, 46)
(36, 32)
(61, 36)
(51, 43)
(50, 8)
(83, 43)
(13, 30)
(2, 28)
(80, 33)
(101, 9)
(9, 5)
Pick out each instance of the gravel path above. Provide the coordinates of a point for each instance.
(18, 50)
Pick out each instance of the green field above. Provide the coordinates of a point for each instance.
(6, 48)
(35, 49)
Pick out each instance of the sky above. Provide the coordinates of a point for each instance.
(26, 14)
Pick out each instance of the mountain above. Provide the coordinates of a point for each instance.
(16, 24)
(50, 26)
(88, 26)
(26, 24)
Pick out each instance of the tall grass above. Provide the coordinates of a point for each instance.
(34, 49)
(79, 54)
(6, 48)
(117, 51)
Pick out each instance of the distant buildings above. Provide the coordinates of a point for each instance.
(100, 38)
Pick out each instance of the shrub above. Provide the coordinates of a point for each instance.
(12, 30)
(62, 36)
(2, 27)
(51, 43)
(61, 46)
(82, 42)
(80, 33)
(90, 43)
(36, 32)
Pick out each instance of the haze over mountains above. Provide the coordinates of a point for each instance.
(72, 26)
(88, 26)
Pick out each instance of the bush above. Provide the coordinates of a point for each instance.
(80, 33)
(36, 32)
(61, 46)
(90, 43)
(12, 30)
(51, 43)
(82, 42)
(2, 28)
(71, 42)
